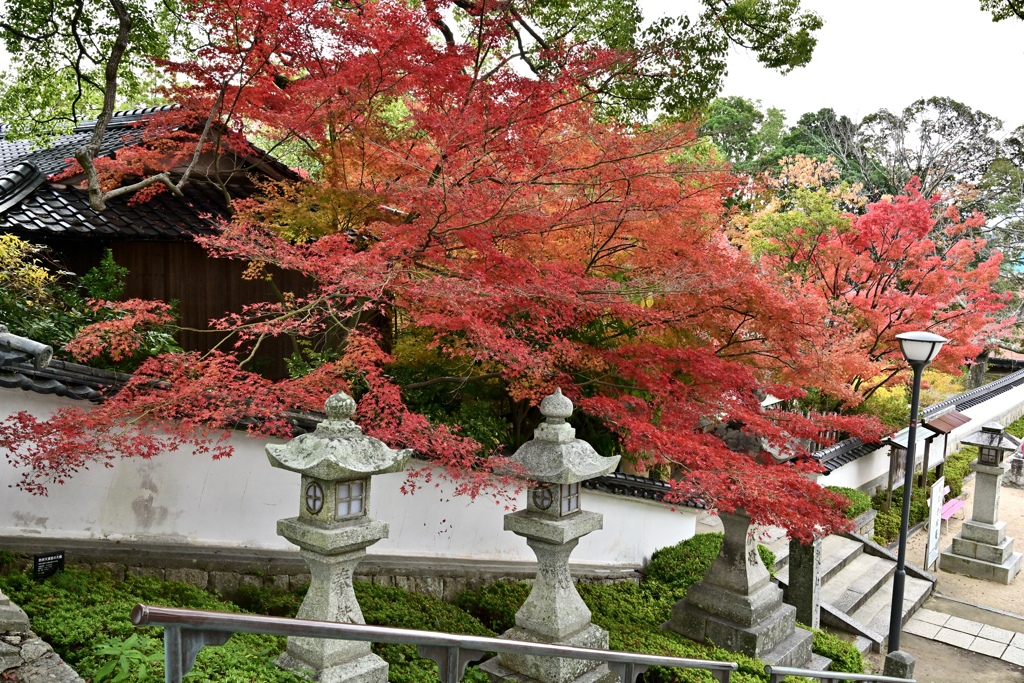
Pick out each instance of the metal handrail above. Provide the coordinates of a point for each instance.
(778, 673)
(186, 631)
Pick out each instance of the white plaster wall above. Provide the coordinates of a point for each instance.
(1004, 408)
(236, 502)
(859, 472)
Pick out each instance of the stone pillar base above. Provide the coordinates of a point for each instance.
(366, 669)
(12, 618)
(517, 667)
(775, 639)
(899, 664)
(499, 674)
(509, 668)
(1003, 573)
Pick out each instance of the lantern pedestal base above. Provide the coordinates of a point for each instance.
(982, 549)
(366, 669)
(1004, 572)
(739, 608)
(332, 554)
(533, 669)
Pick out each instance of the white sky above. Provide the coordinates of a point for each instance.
(888, 53)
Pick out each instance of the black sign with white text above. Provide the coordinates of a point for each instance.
(47, 564)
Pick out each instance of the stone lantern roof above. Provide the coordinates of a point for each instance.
(555, 455)
(337, 450)
(993, 435)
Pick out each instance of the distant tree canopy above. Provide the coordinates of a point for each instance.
(1004, 9)
(955, 152)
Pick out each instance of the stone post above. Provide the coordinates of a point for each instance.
(982, 549)
(1015, 477)
(552, 524)
(333, 531)
(804, 590)
(738, 607)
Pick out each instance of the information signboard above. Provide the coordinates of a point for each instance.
(47, 564)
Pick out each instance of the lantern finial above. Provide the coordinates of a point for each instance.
(340, 406)
(556, 407)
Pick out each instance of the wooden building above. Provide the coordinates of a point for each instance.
(152, 239)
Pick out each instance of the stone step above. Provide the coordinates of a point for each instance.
(875, 612)
(781, 549)
(857, 582)
(836, 553)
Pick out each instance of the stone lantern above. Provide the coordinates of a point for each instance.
(993, 444)
(332, 530)
(982, 549)
(552, 524)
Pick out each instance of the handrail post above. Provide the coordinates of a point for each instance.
(722, 676)
(451, 661)
(627, 671)
(172, 654)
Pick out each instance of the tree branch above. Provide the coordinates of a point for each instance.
(439, 380)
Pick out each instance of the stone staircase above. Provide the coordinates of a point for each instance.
(856, 588)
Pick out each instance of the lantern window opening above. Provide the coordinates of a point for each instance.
(988, 456)
(314, 498)
(542, 498)
(570, 495)
(350, 495)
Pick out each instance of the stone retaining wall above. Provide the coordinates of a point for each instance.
(864, 524)
(224, 571)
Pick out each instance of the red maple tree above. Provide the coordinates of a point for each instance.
(496, 212)
(904, 263)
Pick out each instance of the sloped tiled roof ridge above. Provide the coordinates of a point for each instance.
(19, 183)
(60, 211)
(53, 158)
(126, 117)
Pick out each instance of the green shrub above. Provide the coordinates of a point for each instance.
(275, 602)
(768, 557)
(957, 468)
(858, 501)
(77, 610)
(887, 525)
(1017, 428)
(494, 605)
(685, 563)
(74, 610)
(845, 656)
(889, 404)
(398, 608)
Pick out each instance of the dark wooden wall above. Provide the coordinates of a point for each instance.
(206, 289)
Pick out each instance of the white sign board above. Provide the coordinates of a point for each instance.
(934, 523)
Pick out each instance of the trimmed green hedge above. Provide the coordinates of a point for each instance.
(858, 502)
(77, 611)
(686, 563)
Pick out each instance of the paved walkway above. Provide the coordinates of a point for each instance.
(968, 635)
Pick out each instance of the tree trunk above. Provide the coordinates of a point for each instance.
(976, 376)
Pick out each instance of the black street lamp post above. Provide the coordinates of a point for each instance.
(919, 349)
